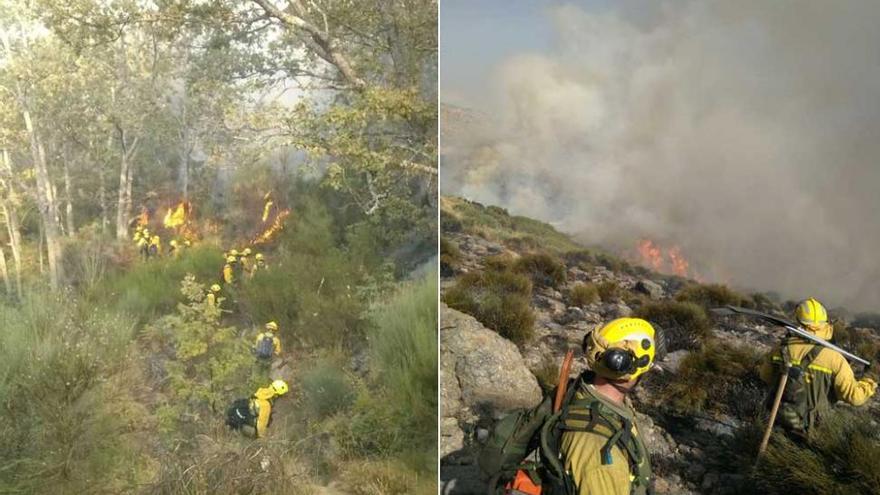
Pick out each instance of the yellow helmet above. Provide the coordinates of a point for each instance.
(246, 252)
(173, 242)
(259, 256)
(215, 288)
(155, 239)
(280, 387)
(811, 312)
(622, 349)
(271, 326)
(230, 259)
(233, 252)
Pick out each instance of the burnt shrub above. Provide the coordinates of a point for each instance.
(685, 324)
(542, 268)
(500, 300)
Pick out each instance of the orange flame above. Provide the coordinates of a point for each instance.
(143, 218)
(671, 260)
(651, 254)
(277, 226)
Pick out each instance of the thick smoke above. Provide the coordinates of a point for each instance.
(746, 132)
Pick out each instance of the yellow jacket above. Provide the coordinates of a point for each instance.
(276, 342)
(228, 273)
(829, 362)
(583, 459)
(263, 405)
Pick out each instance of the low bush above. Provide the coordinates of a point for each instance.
(609, 291)
(685, 324)
(499, 262)
(719, 379)
(325, 388)
(450, 255)
(403, 350)
(712, 296)
(583, 294)
(842, 457)
(581, 258)
(150, 288)
(547, 375)
(542, 268)
(499, 300)
(385, 478)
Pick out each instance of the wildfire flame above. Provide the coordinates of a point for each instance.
(276, 226)
(143, 218)
(671, 260)
(178, 215)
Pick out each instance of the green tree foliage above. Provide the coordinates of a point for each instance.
(207, 361)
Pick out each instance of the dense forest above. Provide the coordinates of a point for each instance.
(304, 132)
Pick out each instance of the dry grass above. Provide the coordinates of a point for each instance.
(500, 300)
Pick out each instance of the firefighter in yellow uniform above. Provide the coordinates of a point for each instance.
(827, 376)
(143, 243)
(229, 270)
(609, 457)
(211, 297)
(155, 248)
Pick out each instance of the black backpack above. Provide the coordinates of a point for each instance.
(265, 347)
(240, 413)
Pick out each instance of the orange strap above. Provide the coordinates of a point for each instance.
(522, 484)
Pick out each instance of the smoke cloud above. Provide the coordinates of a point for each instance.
(746, 132)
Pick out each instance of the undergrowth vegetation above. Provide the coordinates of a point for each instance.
(685, 324)
(499, 299)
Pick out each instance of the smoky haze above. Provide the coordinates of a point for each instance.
(748, 133)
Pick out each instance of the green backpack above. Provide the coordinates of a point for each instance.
(795, 413)
(540, 430)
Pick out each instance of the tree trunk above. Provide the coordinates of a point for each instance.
(126, 175)
(13, 226)
(183, 170)
(45, 197)
(4, 272)
(68, 196)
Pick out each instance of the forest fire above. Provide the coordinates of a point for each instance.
(671, 260)
(276, 226)
(178, 215)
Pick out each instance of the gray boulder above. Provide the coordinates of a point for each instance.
(650, 288)
(488, 368)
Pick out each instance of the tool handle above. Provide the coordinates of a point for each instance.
(773, 411)
(564, 371)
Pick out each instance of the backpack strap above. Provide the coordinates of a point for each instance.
(811, 356)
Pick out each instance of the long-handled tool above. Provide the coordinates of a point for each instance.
(564, 371)
(796, 330)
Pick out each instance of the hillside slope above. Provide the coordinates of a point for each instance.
(701, 410)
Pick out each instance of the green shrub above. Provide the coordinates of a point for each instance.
(583, 294)
(61, 424)
(842, 457)
(582, 258)
(499, 300)
(148, 289)
(718, 378)
(403, 348)
(385, 478)
(609, 291)
(450, 255)
(207, 361)
(713, 296)
(326, 389)
(542, 268)
(685, 324)
(499, 262)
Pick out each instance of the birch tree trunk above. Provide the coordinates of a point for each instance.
(13, 226)
(68, 196)
(126, 175)
(4, 272)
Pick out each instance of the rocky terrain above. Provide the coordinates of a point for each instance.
(484, 375)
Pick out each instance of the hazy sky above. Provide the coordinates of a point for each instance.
(747, 132)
